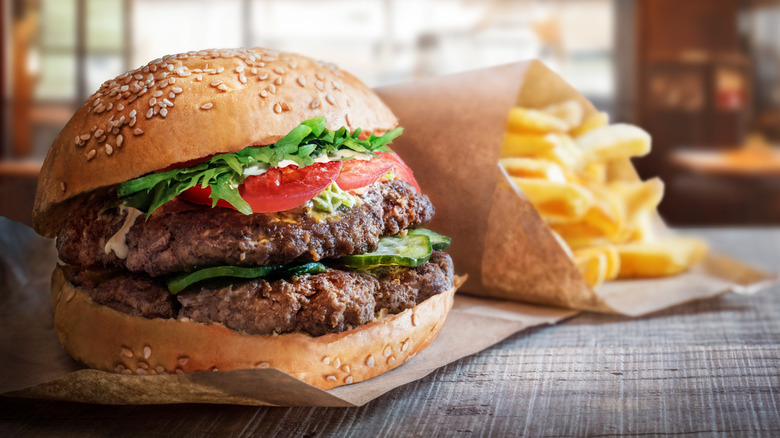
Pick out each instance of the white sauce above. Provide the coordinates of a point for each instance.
(118, 242)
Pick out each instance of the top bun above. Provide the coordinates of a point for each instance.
(191, 105)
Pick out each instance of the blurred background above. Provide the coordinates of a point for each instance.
(702, 76)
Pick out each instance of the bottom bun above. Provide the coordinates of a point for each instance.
(106, 339)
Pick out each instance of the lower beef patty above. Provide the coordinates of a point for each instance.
(175, 239)
(331, 302)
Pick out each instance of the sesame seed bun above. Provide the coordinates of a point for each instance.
(191, 105)
(136, 345)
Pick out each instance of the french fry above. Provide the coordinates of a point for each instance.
(639, 200)
(570, 111)
(595, 172)
(526, 120)
(614, 142)
(566, 153)
(598, 264)
(594, 121)
(660, 258)
(533, 168)
(579, 235)
(556, 201)
(524, 145)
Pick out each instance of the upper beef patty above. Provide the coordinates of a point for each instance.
(172, 240)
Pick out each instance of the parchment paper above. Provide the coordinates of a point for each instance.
(454, 130)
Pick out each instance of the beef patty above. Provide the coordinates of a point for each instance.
(330, 302)
(175, 239)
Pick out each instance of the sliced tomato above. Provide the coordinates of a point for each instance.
(361, 173)
(278, 189)
(402, 171)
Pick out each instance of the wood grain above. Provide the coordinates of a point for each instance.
(707, 368)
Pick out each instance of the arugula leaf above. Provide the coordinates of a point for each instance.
(223, 173)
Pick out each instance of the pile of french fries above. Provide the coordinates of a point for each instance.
(562, 160)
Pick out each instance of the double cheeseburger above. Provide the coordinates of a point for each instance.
(228, 209)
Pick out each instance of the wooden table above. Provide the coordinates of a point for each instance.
(706, 368)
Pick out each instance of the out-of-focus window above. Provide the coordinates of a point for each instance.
(56, 60)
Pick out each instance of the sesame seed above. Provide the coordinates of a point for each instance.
(263, 365)
(147, 351)
(253, 70)
(222, 87)
(239, 69)
(207, 106)
(345, 368)
(164, 112)
(99, 133)
(292, 64)
(139, 77)
(93, 128)
(279, 81)
(138, 131)
(120, 107)
(370, 361)
(172, 95)
(277, 108)
(330, 378)
(263, 94)
(176, 90)
(390, 360)
(172, 80)
(160, 369)
(272, 88)
(62, 186)
(140, 371)
(183, 360)
(84, 137)
(127, 371)
(330, 99)
(414, 320)
(215, 83)
(405, 344)
(109, 149)
(262, 77)
(242, 79)
(150, 113)
(126, 352)
(387, 350)
(119, 140)
(156, 110)
(336, 85)
(179, 371)
(157, 93)
(326, 360)
(132, 122)
(347, 118)
(278, 70)
(163, 84)
(220, 70)
(320, 76)
(199, 78)
(153, 101)
(301, 81)
(285, 106)
(143, 365)
(167, 102)
(72, 292)
(348, 380)
(315, 103)
(124, 88)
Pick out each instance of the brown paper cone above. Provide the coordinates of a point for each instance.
(454, 130)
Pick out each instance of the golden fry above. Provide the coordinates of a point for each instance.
(533, 168)
(614, 142)
(526, 120)
(594, 121)
(523, 145)
(556, 201)
(570, 111)
(660, 258)
(597, 264)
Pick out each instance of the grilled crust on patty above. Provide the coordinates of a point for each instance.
(175, 239)
(330, 302)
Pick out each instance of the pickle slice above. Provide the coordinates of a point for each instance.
(437, 240)
(178, 283)
(410, 251)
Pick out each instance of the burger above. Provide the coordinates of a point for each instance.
(230, 209)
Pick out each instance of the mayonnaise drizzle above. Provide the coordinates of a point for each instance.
(118, 242)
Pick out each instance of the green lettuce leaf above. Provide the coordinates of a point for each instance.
(225, 172)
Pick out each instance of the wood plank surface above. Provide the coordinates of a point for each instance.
(706, 368)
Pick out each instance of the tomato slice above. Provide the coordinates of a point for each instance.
(361, 173)
(278, 189)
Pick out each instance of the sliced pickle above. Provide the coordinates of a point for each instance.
(410, 251)
(437, 240)
(179, 282)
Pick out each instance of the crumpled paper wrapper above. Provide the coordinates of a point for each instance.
(453, 133)
(454, 127)
(34, 365)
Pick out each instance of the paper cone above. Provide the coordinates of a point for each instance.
(454, 131)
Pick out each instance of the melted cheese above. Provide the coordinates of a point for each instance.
(118, 242)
